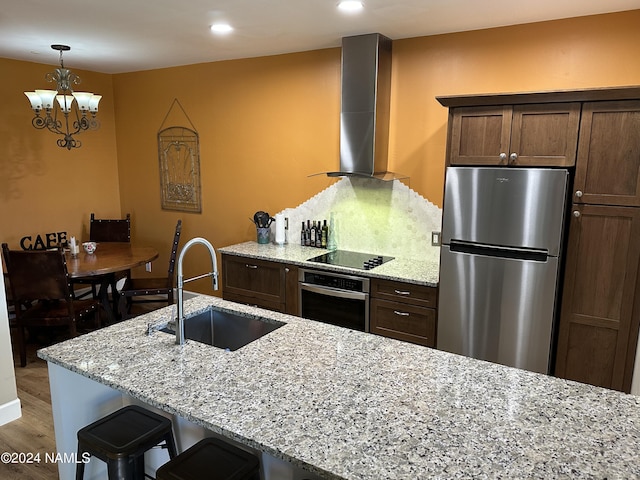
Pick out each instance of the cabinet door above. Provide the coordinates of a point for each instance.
(598, 329)
(402, 321)
(255, 279)
(608, 166)
(479, 135)
(544, 135)
(291, 289)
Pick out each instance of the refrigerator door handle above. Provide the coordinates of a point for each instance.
(517, 253)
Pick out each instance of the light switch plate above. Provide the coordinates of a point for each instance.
(147, 266)
(435, 239)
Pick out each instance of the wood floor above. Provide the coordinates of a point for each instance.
(33, 432)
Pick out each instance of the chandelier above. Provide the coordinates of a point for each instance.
(66, 118)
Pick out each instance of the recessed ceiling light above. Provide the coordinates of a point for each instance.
(221, 28)
(350, 5)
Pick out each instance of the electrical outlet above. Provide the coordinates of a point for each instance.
(147, 266)
(435, 239)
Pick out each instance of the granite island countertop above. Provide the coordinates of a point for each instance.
(349, 405)
(424, 271)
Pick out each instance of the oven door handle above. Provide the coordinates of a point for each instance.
(333, 292)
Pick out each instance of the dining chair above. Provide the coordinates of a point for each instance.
(40, 283)
(11, 304)
(135, 290)
(9, 298)
(105, 230)
(110, 230)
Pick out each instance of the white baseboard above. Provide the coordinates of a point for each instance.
(10, 411)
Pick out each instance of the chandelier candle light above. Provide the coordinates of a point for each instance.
(75, 115)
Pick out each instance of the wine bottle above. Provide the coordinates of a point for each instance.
(318, 234)
(325, 235)
(314, 234)
(307, 234)
(302, 235)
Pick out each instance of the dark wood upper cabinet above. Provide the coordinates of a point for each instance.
(545, 135)
(478, 135)
(608, 168)
(514, 135)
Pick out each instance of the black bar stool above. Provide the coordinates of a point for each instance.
(212, 459)
(121, 438)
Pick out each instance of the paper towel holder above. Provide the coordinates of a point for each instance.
(282, 228)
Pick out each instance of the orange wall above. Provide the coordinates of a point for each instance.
(264, 124)
(267, 123)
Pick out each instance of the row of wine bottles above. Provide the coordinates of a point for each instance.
(314, 234)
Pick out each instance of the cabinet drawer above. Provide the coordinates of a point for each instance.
(405, 292)
(253, 302)
(409, 323)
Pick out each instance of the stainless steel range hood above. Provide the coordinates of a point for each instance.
(364, 113)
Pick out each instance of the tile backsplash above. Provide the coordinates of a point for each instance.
(385, 218)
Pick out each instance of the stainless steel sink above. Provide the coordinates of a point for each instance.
(224, 330)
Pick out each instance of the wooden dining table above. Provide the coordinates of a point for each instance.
(109, 259)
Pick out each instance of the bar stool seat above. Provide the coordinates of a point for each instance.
(212, 459)
(121, 439)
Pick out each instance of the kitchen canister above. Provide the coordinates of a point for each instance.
(263, 234)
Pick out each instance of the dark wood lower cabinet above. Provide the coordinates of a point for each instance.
(399, 310)
(265, 284)
(403, 311)
(403, 321)
(600, 313)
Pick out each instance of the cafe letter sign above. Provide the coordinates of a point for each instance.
(44, 241)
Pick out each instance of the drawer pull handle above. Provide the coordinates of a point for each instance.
(250, 266)
(402, 314)
(402, 292)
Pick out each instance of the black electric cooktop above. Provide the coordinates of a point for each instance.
(345, 258)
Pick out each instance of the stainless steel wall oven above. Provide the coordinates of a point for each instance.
(334, 298)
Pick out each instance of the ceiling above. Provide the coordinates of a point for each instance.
(116, 36)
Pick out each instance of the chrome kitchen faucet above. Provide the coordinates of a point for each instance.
(213, 274)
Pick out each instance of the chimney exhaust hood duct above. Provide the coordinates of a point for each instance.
(364, 112)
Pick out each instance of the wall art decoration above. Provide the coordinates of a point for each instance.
(179, 158)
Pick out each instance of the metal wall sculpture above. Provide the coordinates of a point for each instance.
(179, 156)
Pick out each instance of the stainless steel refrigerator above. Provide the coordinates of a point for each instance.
(502, 231)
